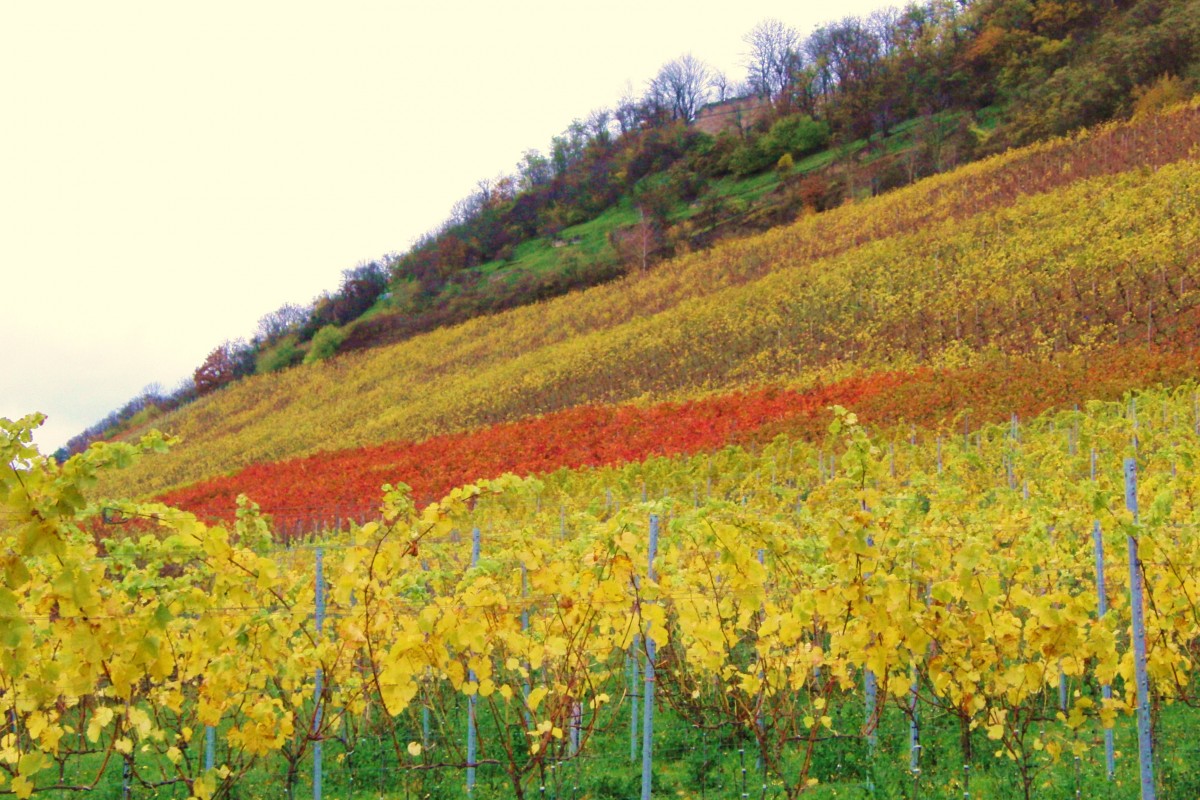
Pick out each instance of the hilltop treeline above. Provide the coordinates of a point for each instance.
(858, 106)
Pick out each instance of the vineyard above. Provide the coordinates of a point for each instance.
(793, 602)
(897, 501)
(1065, 247)
(306, 494)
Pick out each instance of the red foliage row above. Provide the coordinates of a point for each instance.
(348, 482)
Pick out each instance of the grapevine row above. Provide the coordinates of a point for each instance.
(957, 571)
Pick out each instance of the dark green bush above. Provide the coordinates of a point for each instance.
(797, 135)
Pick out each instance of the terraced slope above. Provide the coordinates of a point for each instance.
(1066, 248)
(810, 600)
(306, 494)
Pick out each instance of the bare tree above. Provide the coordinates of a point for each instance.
(151, 394)
(285, 319)
(720, 85)
(886, 26)
(681, 87)
(599, 125)
(638, 244)
(773, 58)
(629, 111)
(465, 210)
(484, 192)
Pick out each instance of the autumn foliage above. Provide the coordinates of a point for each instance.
(874, 519)
(1062, 249)
(322, 488)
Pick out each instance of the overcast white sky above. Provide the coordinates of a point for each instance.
(170, 172)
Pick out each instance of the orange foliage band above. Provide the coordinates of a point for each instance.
(347, 483)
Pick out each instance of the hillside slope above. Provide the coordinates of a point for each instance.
(305, 495)
(1064, 246)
